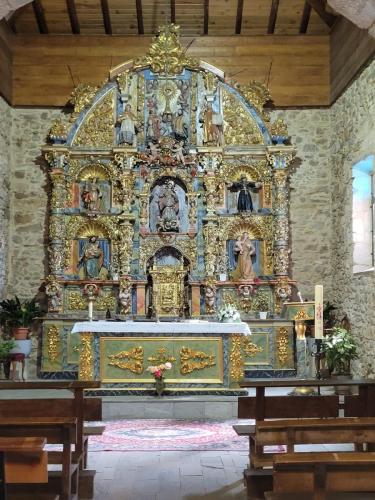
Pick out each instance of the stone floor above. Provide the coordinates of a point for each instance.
(169, 475)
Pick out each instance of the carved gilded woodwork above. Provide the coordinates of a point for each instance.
(58, 130)
(131, 360)
(98, 128)
(236, 362)
(76, 301)
(53, 342)
(192, 360)
(81, 98)
(168, 290)
(105, 301)
(239, 126)
(149, 246)
(279, 128)
(161, 356)
(257, 94)
(86, 357)
(258, 227)
(282, 342)
(165, 55)
(250, 349)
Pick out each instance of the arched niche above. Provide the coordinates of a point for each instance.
(168, 201)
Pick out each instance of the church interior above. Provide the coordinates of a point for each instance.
(187, 242)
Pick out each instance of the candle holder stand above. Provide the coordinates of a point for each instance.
(318, 354)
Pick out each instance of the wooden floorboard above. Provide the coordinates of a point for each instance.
(169, 475)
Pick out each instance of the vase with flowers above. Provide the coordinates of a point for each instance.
(229, 314)
(158, 373)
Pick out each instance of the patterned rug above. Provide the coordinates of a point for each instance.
(171, 435)
(168, 435)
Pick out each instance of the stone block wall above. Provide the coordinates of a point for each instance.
(5, 167)
(28, 201)
(310, 200)
(352, 139)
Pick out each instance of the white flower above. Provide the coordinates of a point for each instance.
(168, 365)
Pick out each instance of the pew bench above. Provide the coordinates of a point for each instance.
(318, 475)
(56, 430)
(350, 430)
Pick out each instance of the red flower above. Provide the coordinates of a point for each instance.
(158, 374)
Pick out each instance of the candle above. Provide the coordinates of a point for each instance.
(299, 294)
(318, 329)
(91, 308)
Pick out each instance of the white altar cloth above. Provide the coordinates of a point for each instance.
(165, 327)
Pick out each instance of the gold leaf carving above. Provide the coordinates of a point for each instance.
(165, 55)
(97, 129)
(82, 97)
(86, 357)
(161, 356)
(131, 360)
(250, 349)
(192, 360)
(235, 358)
(76, 302)
(239, 126)
(105, 301)
(53, 342)
(282, 342)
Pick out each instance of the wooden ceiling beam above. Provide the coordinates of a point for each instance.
(72, 11)
(239, 17)
(305, 18)
(40, 17)
(273, 17)
(319, 7)
(106, 17)
(173, 11)
(141, 29)
(205, 17)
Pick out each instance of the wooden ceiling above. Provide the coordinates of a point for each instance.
(196, 17)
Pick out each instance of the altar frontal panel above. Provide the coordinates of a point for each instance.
(193, 359)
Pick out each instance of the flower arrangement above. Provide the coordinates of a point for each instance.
(158, 374)
(229, 313)
(340, 349)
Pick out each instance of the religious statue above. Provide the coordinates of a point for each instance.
(210, 298)
(213, 132)
(90, 264)
(54, 295)
(178, 151)
(128, 128)
(168, 204)
(246, 296)
(245, 251)
(244, 201)
(92, 196)
(153, 126)
(180, 128)
(125, 296)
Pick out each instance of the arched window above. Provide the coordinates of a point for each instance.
(363, 215)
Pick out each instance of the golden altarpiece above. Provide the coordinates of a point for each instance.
(169, 199)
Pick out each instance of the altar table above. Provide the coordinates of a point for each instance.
(204, 355)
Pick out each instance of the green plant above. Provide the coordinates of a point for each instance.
(340, 349)
(5, 347)
(15, 313)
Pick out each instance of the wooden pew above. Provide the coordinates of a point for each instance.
(357, 431)
(58, 430)
(24, 457)
(314, 474)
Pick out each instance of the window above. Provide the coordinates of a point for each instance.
(363, 215)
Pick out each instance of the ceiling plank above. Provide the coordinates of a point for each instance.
(74, 23)
(305, 18)
(205, 19)
(319, 7)
(141, 30)
(273, 17)
(106, 17)
(239, 17)
(173, 11)
(40, 17)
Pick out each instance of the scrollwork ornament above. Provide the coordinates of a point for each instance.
(250, 349)
(131, 360)
(54, 294)
(192, 360)
(86, 357)
(56, 258)
(236, 363)
(282, 342)
(58, 131)
(210, 296)
(81, 98)
(53, 343)
(281, 263)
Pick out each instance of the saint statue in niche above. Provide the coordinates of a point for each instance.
(244, 201)
(244, 249)
(128, 128)
(213, 132)
(90, 263)
(168, 208)
(92, 196)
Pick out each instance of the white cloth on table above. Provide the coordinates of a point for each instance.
(165, 327)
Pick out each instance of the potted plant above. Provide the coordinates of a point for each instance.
(6, 346)
(340, 349)
(18, 316)
(229, 314)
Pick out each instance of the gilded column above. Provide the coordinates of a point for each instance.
(236, 362)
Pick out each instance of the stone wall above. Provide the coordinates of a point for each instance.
(353, 138)
(5, 166)
(28, 200)
(310, 201)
